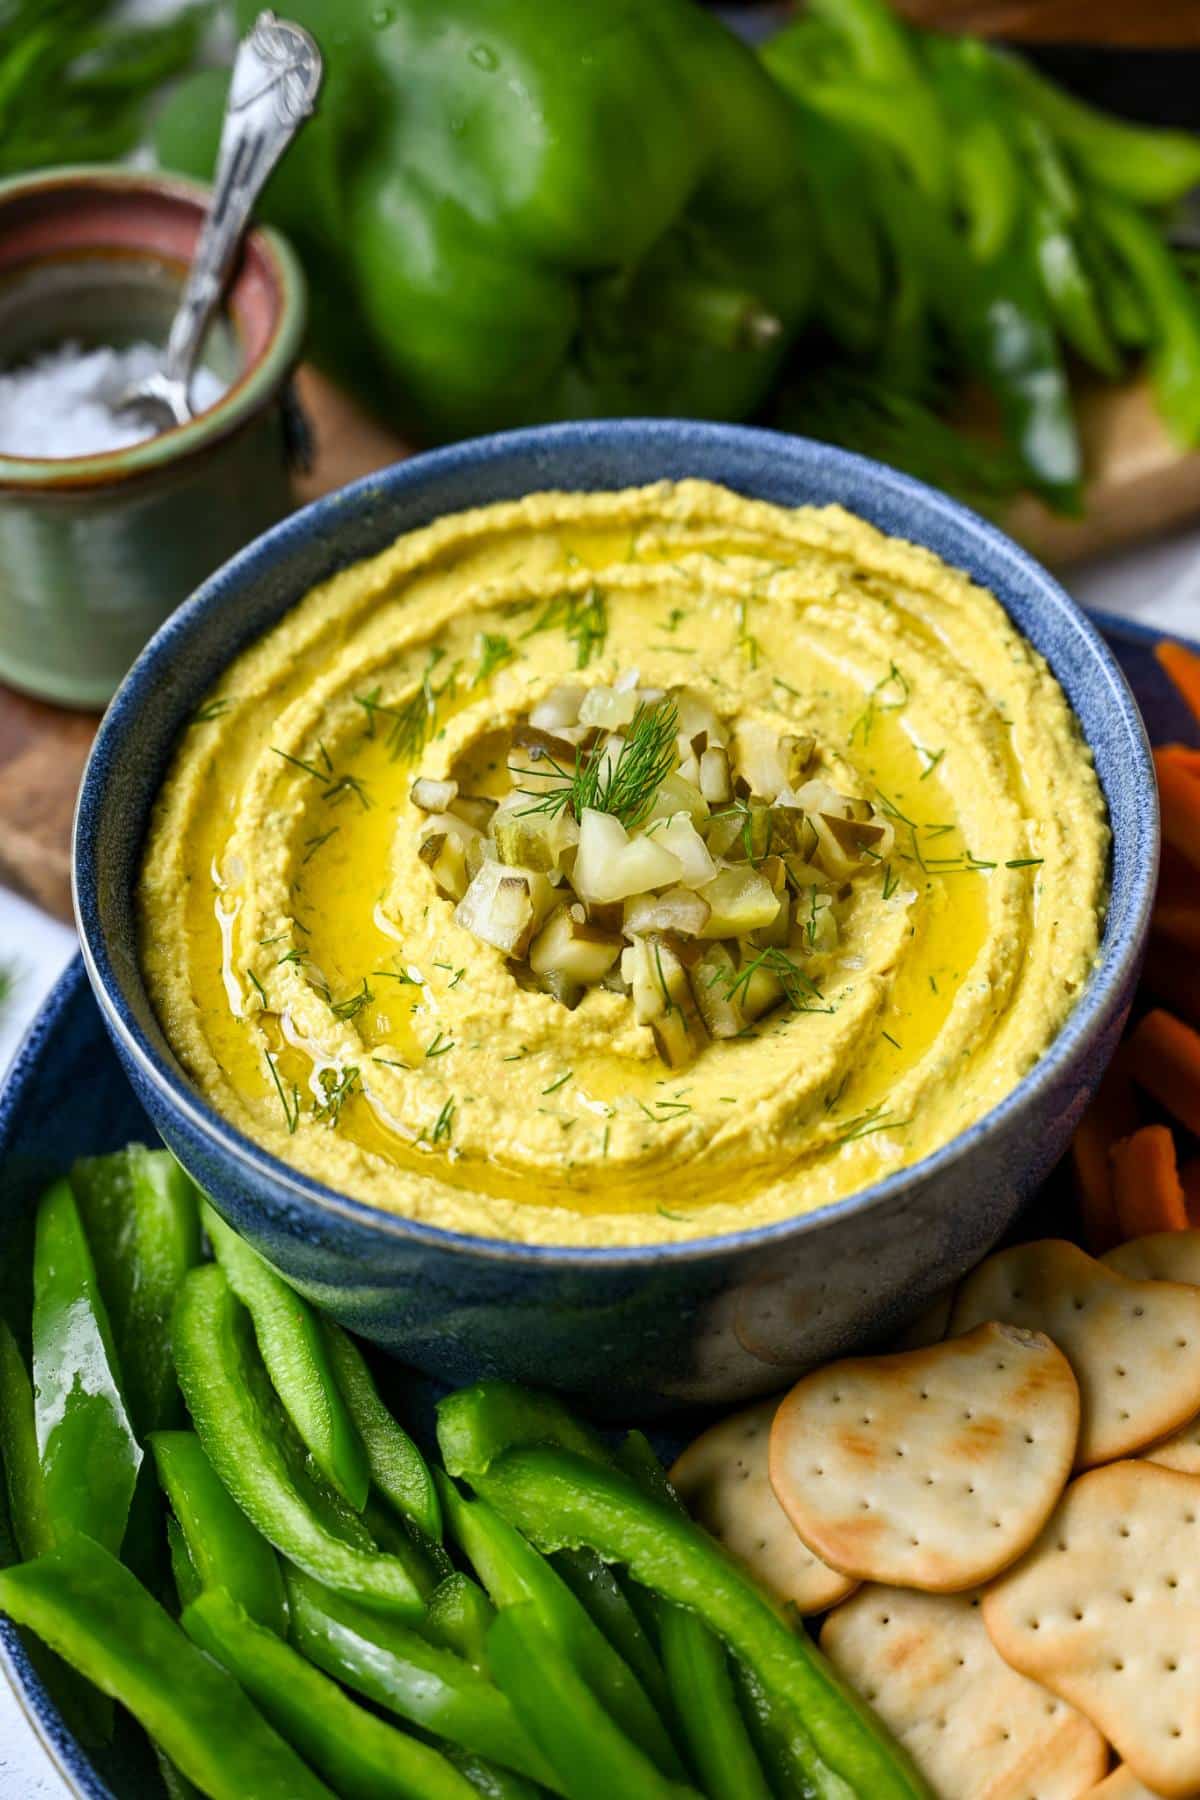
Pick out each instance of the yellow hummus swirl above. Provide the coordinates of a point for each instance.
(318, 990)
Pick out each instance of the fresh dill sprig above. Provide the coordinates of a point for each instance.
(799, 989)
(625, 785)
(437, 1048)
(337, 1089)
(352, 1005)
(212, 709)
(291, 1109)
(313, 844)
(412, 722)
(334, 787)
(444, 1123)
(584, 619)
(495, 650)
(880, 700)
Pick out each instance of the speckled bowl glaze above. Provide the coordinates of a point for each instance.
(633, 1331)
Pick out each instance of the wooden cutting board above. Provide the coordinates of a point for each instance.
(1141, 484)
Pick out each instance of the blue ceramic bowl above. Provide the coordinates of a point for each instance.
(630, 1330)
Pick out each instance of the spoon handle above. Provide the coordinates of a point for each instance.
(276, 74)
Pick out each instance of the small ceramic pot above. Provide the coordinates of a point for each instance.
(95, 551)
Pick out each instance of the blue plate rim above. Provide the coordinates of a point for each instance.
(1092, 1012)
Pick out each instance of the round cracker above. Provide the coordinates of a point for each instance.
(1160, 1256)
(1134, 1345)
(722, 1478)
(932, 1469)
(1105, 1612)
(975, 1728)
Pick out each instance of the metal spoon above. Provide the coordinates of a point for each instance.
(276, 75)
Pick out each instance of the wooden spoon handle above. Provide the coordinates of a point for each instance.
(1160, 24)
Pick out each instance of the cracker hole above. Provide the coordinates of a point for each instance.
(1077, 1616)
(1181, 1343)
(968, 1414)
(1028, 1437)
(1127, 1597)
(1172, 1581)
(1120, 1371)
(1078, 1304)
(1118, 1665)
(1189, 1518)
(1139, 1312)
(1122, 1415)
(1170, 1665)
(1123, 1531)
(1175, 1731)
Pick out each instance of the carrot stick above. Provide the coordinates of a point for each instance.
(1178, 924)
(1111, 1115)
(1179, 798)
(1146, 1188)
(1183, 667)
(1164, 1058)
(1174, 979)
(1178, 879)
(1189, 1177)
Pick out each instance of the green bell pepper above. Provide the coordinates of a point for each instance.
(139, 1211)
(520, 210)
(400, 1670)
(248, 1445)
(559, 1498)
(89, 1454)
(1171, 305)
(294, 1349)
(357, 1753)
(28, 1509)
(225, 1550)
(514, 1574)
(592, 1757)
(86, 1606)
(396, 1466)
(459, 1616)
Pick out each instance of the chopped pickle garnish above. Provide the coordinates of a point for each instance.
(651, 848)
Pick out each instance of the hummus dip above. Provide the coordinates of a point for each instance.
(620, 867)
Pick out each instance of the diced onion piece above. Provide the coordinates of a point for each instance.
(576, 950)
(681, 838)
(446, 860)
(504, 906)
(560, 708)
(433, 796)
(611, 865)
(677, 795)
(759, 759)
(608, 707)
(742, 900)
(713, 980)
(716, 782)
(679, 910)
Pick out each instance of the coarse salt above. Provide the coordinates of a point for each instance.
(63, 402)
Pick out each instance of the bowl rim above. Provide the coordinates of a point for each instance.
(1105, 995)
(253, 388)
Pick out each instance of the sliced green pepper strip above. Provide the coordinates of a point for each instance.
(188, 1585)
(225, 1549)
(28, 1508)
(490, 1780)
(90, 1456)
(356, 1753)
(141, 1217)
(294, 1349)
(561, 1499)
(702, 1689)
(92, 1611)
(459, 1616)
(1148, 166)
(514, 1574)
(697, 1667)
(396, 1466)
(784, 1748)
(248, 1449)
(592, 1757)
(1173, 307)
(600, 1594)
(400, 1670)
